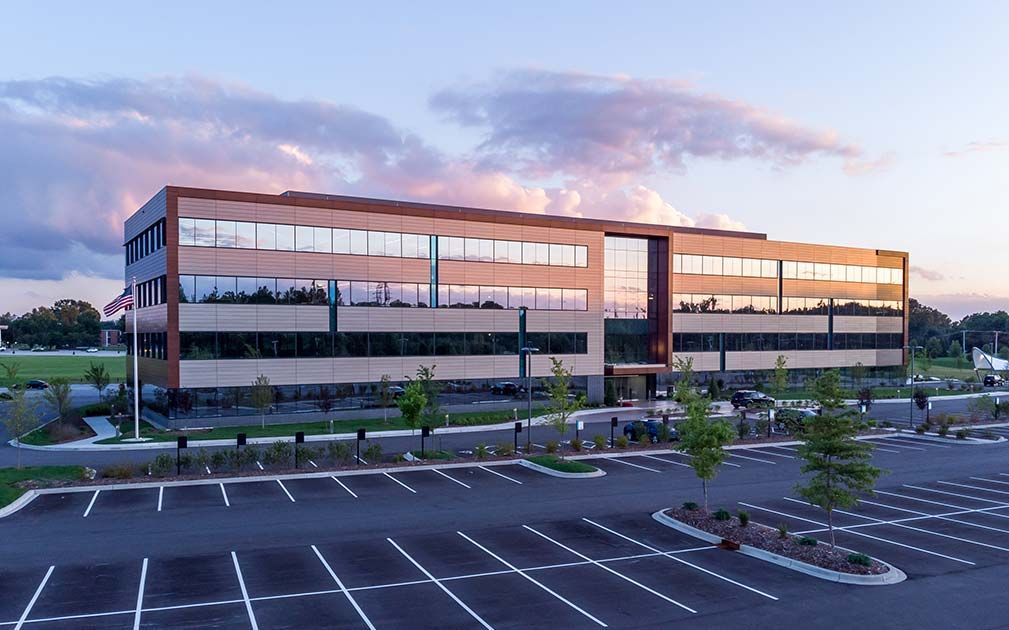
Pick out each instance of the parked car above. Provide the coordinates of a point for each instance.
(92, 350)
(6, 396)
(395, 391)
(792, 420)
(637, 427)
(506, 388)
(993, 380)
(37, 384)
(750, 399)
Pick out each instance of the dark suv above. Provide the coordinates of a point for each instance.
(749, 399)
(507, 389)
(993, 380)
(638, 428)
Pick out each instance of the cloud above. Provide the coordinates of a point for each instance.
(927, 274)
(978, 147)
(548, 123)
(856, 167)
(78, 156)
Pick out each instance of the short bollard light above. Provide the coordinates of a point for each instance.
(182, 443)
(360, 436)
(299, 438)
(613, 427)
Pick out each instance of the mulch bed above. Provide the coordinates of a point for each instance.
(762, 537)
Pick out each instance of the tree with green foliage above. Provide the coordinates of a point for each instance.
(98, 376)
(837, 462)
(11, 371)
(858, 374)
(983, 405)
(779, 379)
(412, 403)
(561, 405)
(955, 349)
(703, 440)
(827, 390)
(920, 397)
(21, 417)
(684, 387)
(262, 397)
(58, 396)
(431, 389)
(385, 396)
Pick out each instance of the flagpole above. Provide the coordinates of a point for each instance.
(136, 370)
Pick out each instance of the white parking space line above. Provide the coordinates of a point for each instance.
(35, 597)
(1004, 483)
(902, 523)
(897, 445)
(613, 571)
(905, 440)
(680, 560)
(284, 488)
(764, 451)
(441, 586)
(343, 588)
(258, 464)
(207, 468)
(531, 579)
(451, 478)
(502, 475)
(617, 459)
(1001, 504)
(400, 483)
(161, 496)
(688, 456)
(786, 448)
(140, 595)
(91, 504)
(342, 485)
(245, 593)
(945, 516)
(753, 459)
(857, 533)
(314, 465)
(225, 495)
(667, 461)
(360, 459)
(967, 485)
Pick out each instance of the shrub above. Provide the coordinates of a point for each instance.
(576, 444)
(722, 515)
(305, 453)
(808, 541)
(119, 471)
(782, 531)
(689, 505)
(162, 465)
(339, 452)
(962, 434)
(251, 455)
(373, 454)
(234, 457)
(599, 441)
(95, 409)
(887, 424)
(744, 518)
(665, 433)
(743, 429)
(185, 461)
(505, 449)
(920, 429)
(871, 423)
(622, 441)
(279, 452)
(201, 460)
(218, 460)
(860, 559)
(552, 446)
(943, 430)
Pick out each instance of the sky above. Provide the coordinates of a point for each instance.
(867, 124)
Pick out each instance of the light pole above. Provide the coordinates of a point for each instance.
(528, 352)
(2, 328)
(910, 407)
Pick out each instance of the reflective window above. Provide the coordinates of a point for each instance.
(245, 235)
(285, 238)
(206, 233)
(266, 236)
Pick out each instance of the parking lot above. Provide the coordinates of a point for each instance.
(490, 546)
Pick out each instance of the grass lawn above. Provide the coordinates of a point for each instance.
(71, 368)
(881, 393)
(10, 476)
(562, 465)
(310, 428)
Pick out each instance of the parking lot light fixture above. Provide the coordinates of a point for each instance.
(910, 407)
(528, 352)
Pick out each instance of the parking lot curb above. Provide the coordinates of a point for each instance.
(935, 437)
(18, 503)
(598, 472)
(892, 576)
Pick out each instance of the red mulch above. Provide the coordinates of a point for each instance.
(763, 537)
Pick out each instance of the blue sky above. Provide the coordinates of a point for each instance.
(859, 124)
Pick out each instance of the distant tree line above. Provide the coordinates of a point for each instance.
(942, 337)
(65, 324)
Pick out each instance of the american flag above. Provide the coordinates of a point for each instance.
(125, 300)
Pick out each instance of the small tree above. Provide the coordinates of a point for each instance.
(431, 389)
(703, 440)
(920, 398)
(983, 405)
(58, 396)
(839, 463)
(11, 371)
(262, 397)
(385, 396)
(866, 398)
(684, 391)
(98, 377)
(779, 379)
(858, 374)
(21, 417)
(412, 403)
(561, 404)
